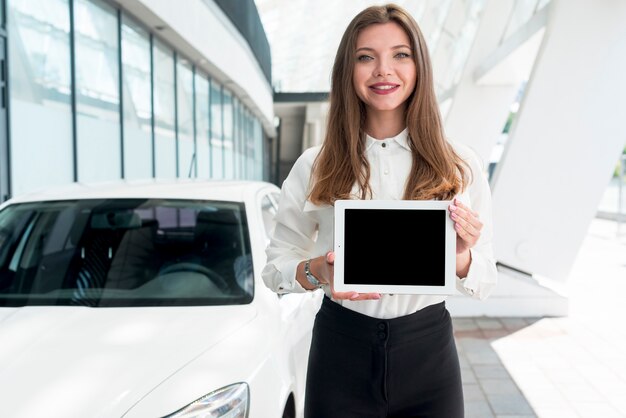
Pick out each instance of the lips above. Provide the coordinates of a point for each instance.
(384, 88)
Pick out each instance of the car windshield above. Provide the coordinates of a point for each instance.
(125, 252)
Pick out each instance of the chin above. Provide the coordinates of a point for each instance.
(387, 107)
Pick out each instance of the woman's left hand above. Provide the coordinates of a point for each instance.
(466, 225)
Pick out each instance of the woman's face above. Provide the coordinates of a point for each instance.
(384, 70)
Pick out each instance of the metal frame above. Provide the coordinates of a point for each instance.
(73, 90)
(7, 86)
(176, 109)
(152, 125)
(120, 82)
(210, 80)
(223, 133)
(194, 159)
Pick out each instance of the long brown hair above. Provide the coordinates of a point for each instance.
(437, 171)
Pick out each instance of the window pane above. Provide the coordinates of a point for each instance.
(217, 132)
(164, 116)
(39, 68)
(258, 146)
(241, 138)
(237, 172)
(229, 144)
(136, 98)
(184, 97)
(203, 151)
(97, 91)
(250, 151)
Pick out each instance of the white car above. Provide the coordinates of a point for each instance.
(145, 299)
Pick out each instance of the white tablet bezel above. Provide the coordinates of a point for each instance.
(449, 286)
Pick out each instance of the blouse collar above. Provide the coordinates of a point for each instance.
(402, 139)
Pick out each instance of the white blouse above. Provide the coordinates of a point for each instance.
(304, 230)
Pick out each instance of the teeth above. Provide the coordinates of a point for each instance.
(384, 87)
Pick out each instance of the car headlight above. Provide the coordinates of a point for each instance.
(228, 402)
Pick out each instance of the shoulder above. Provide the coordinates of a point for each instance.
(305, 161)
(308, 156)
(301, 169)
(468, 154)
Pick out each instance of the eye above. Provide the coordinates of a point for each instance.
(402, 55)
(364, 58)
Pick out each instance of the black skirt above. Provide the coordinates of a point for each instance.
(361, 367)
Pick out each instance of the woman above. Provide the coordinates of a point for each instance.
(376, 355)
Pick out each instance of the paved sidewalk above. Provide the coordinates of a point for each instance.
(566, 367)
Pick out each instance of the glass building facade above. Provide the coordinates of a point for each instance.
(96, 96)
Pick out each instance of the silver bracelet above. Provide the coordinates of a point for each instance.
(309, 276)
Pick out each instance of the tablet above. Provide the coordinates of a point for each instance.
(394, 246)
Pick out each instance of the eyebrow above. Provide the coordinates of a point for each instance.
(393, 47)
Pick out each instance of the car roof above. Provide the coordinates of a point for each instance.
(226, 190)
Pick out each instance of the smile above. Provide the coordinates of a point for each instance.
(384, 88)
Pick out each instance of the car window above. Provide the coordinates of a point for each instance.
(125, 252)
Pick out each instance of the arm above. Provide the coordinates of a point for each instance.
(293, 240)
(323, 269)
(476, 268)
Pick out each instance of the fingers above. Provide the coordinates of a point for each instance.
(355, 296)
(465, 219)
(463, 206)
(464, 227)
(469, 238)
(466, 214)
(330, 259)
(366, 296)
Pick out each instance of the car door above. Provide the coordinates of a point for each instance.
(298, 310)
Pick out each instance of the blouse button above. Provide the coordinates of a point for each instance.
(384, 145)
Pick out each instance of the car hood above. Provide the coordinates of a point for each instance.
(99, 362)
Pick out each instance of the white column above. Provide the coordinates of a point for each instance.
(479, 110)
(565, 141)
(561, 151)
(316, 114)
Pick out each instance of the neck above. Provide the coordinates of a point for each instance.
(382, 124)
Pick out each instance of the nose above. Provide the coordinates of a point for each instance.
(383, 68)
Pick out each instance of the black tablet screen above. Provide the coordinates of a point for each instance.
(395, 247)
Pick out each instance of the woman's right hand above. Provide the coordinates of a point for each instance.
(326, 273)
